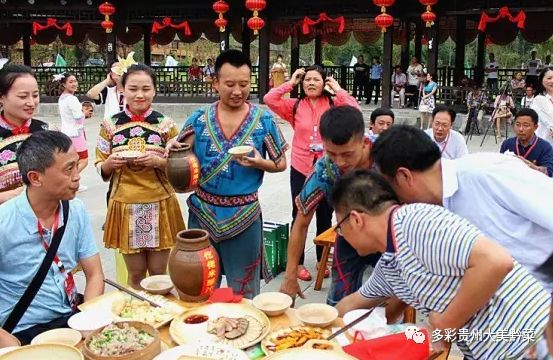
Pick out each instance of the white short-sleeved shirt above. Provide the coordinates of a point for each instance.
(453, 147)
(493, 73)
(425, 265)
(413, 79)
(508, 201)
(71, 113)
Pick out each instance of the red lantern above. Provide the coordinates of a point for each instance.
(221, 7)
(107, 25)
(107, 9)
(221, 23)
(383, 4)
(256, 23)
(384, 21)
(428, 17)
(255, 5)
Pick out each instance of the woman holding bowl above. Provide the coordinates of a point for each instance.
(143, 212)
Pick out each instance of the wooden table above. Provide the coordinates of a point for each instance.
(287, 319)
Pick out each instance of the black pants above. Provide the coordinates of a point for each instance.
(323, 212)
(414, 99)
(532, 80)
(374, 84)
(358, 88)
(29, 334)
(492, 84)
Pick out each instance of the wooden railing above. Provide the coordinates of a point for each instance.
(172, 81)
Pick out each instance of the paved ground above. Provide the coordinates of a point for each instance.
(274, 197)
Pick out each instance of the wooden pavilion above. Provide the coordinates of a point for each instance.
(458, 19)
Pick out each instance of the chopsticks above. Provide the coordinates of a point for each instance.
(130, 292)
(356, 321)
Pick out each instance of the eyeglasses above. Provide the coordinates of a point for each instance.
(338, 227)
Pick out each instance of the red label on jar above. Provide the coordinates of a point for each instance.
(210, 270)
(194, 171)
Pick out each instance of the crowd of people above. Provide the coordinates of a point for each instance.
(413, 205)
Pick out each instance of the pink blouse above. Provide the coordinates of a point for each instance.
(305, 123)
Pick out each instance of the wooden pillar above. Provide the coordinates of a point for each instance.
(387, 67)
(147, 44)
(480, 54)
(27, 45)
(264, 47)
(405, 42)
(432, 37)
(224, 39)
(460, 43)
(294, 58)
(318, 50)
(418, 39)
(246, 37)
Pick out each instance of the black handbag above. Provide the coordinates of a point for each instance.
(31, 291)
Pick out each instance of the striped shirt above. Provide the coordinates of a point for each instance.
(423, 265)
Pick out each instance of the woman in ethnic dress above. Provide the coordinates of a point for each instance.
(19, 98)
(278, 72)
(143, 212)
(72, 118)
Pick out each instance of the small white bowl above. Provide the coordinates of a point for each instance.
(64, 336)
(239, 151)
(272, 303)
(87, 321)
(318, 315)
(157, 284)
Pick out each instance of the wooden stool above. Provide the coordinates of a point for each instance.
(327, 240)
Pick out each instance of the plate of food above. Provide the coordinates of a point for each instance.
(239, 151)
(130, 154)
(215, 351)
(292, 337)
(125, 307)
(236, 325)
(123, 340)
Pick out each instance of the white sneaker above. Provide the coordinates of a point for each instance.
(82, 188)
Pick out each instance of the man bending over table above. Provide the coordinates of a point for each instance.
(434, 261)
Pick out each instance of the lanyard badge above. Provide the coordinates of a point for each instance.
(69, 282)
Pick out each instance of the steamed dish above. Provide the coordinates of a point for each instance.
(131, 309)
(116, 341)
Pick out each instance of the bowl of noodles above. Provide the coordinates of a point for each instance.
(122, 341)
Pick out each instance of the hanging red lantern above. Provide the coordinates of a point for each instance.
(384, 21)
(256, 23)
(221, 23)
(383, 4)
(107, 9)
(255, 5)
(221, 7)
(428, 17)
(107, 25)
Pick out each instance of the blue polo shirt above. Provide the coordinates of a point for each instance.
(540, 155)
(21, 253)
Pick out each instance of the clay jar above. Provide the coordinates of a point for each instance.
(183, 169)
(194, 265)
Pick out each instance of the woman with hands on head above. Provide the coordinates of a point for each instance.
(318, 93)
(143, 212)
